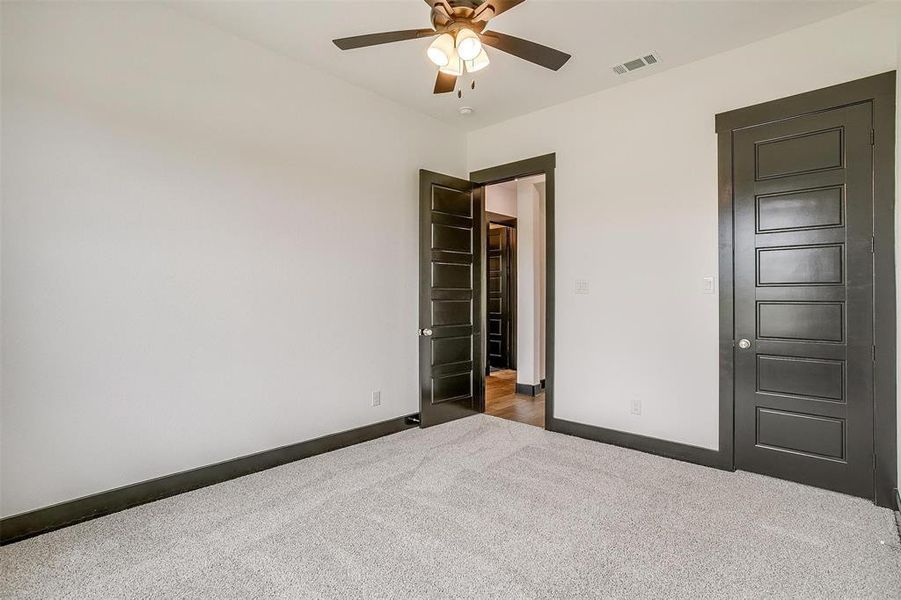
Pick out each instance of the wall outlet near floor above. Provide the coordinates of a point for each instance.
(377, 398)
(635, 408)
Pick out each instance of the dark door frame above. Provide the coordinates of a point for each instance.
(510, 223)
(500, 219)
(880, 91)
(525, 168)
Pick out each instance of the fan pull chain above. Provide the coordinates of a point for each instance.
(472, 86)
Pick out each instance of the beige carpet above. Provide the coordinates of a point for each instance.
(479, 508)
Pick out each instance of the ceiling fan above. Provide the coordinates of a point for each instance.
(461, 29)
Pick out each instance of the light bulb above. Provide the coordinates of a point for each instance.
(454, 66)
(478, 63)
(441, 49)
(468, 44)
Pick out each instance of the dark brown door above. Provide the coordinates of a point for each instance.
(500, 244)
(804, 299)
(450, 298)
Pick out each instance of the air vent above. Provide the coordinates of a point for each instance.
(637, 63)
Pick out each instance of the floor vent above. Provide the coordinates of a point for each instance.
(634, 64)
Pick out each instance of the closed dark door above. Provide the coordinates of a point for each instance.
(500, 244)
(804, 299)
(450, 301)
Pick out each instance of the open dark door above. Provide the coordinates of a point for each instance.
(500, 243)
(450, 298)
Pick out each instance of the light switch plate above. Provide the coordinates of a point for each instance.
(581, 286)
(709, 285)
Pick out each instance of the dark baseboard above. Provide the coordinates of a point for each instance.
(898, 511)
(528, 389)
(25, 525)
(684, 452)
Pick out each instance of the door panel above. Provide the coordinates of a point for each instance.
(500, 241)
(815, 378)
(803, 202)
(450, 299)
(807, 209)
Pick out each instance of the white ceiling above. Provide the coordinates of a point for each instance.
(598, 34)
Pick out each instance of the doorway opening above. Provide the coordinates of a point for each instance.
(515, 309)
(453, 296)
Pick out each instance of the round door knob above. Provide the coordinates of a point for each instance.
(744, 344)
(426, 332)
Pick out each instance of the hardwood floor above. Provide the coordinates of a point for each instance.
(501, 400)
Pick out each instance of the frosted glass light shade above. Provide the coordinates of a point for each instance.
(468, 44)
(478, 63)
(441, 50)
(454, 67)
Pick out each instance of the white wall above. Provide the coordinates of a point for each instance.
(501, 198)
(542, 277)
(208, 249)
(529, 290)
(526, 282)
(636, 214)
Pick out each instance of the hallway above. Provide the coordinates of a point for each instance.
(501, 400)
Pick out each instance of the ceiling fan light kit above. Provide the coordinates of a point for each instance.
(478, 63)
(461, 29)
(441, 50)
(454, 67)
(468, 44)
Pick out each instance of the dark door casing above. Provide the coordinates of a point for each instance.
(803, 256)
(450, 298)
(500, 297)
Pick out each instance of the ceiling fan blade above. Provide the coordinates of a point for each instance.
(374, 39)
(493, 8)
(526, 50)
(445, 83)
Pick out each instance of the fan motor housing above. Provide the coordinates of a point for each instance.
(461, 13)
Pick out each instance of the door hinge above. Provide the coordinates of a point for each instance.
(874, 353)
(872, 137)
(873, 245)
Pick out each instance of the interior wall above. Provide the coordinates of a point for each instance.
(526, 308)
(541, 187)
(636, 216)
(501, 198)
(529, 290)
(208, 249)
